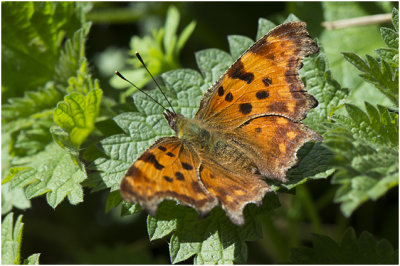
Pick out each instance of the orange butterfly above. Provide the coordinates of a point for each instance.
(247, 128)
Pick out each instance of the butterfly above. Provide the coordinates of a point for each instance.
(247, 129)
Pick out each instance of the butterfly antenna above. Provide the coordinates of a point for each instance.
(122, 77)
(159, 87)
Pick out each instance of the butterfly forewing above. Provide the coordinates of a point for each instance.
(167, 170)
(264, 81)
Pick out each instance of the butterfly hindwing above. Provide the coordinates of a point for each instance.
(263, 81)
(234, 190)
(167, 170)
(272, 143)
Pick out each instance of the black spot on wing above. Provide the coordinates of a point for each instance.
(162, 148)
(187, 166)
(237, 72)
(179, 176)
(245, 108)
(267, 81)
(168, 179)
(262, 95)
(220, 91)
(150, 158)
(170, 154)
(229, 97)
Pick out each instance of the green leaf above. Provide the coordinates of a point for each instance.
(77, 114)
(357, 61)
(379, 73)
(314, 164)
(13, 198)
(357, 114)
(213, 63)
(160, 52)
(366, 154)
(395, 19)
(63, 140)
(29, 119)
(317, 78)
(365, 250)
(32, 259)
(213, 239)
(184, 36)
(390, 37)
(53, 172)
(113, 200)
(32, 36)
(264, 26)
(383, 73)
(389, 55)
(72, 62)
(171, 26)
(29, 135)
(238, 45)
(158, 229)
(32, 103)
(291, 18)
(11, 236)
(129, 208)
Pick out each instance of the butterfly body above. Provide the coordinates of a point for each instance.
(215, 143)
(247, 129)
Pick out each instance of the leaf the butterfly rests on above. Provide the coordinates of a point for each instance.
(247, 129)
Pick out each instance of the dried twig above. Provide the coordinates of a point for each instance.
(359, 21)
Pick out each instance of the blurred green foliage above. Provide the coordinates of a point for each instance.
(54, 113)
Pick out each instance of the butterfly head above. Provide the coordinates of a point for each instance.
(172, 119)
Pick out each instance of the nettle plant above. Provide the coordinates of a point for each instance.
(54, 118)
